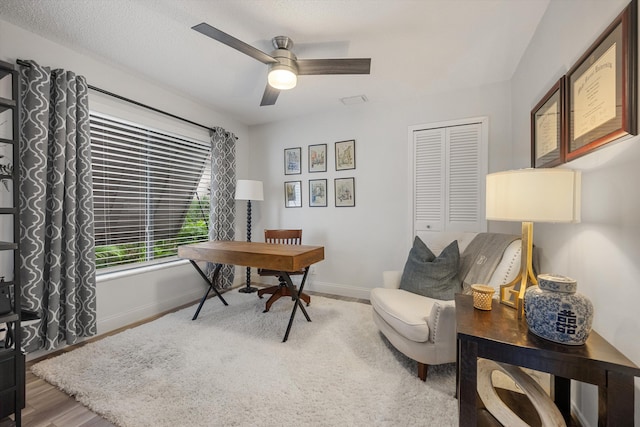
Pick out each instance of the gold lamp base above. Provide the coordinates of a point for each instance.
(511, 294)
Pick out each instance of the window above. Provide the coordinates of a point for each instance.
(151, 191)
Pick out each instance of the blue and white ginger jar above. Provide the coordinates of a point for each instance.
(555, 311)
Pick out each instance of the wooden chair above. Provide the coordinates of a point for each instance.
(283, 237)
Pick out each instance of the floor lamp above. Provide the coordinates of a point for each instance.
(249, 190)
(531, 195)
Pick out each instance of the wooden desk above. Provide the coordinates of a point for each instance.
(282, 258)
(498, 335)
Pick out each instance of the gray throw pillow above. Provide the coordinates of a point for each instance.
(431, 276)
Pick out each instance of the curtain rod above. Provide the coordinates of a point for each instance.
(131, 101)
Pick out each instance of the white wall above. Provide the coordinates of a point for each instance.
(602, 251)
(124, 300)
(375, 235)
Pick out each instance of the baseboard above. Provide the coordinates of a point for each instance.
(577, 414)
(313, 285)
(124, 318)
(141, 312)
(337, 289)
(38, 355)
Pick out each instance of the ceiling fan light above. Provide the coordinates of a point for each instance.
(282, 77)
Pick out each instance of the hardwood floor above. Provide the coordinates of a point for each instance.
(47, 406)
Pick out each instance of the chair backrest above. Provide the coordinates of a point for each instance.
(283, 237)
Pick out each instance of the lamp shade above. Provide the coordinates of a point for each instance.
(535, 195)
(282, 77)
(249, 190)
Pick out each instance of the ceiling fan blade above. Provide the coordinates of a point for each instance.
(270, 96)
(233, 42)
(334, 66)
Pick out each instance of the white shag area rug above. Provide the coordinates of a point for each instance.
(230, 368)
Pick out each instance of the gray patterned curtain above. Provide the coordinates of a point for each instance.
(56, 207)
(222, 213)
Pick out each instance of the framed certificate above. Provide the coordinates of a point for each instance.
(548, 135)
(601, 86)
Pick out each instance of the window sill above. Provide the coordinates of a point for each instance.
(113, 275)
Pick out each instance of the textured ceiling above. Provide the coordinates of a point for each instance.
(417, 47)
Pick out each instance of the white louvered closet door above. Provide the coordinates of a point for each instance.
(429, 180)
(449, 172)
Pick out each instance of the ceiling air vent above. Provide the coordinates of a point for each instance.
(353, 100)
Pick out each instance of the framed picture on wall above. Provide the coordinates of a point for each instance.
(547, 128)
(292, 158)
(318, 158)
(317, 192)
(293, 194)
(346, 155)
(601, 88)
(345, 192)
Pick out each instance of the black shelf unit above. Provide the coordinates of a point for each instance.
(12, 358)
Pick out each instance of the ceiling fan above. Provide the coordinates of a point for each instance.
(284, 67)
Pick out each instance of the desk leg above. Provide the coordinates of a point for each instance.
(295, 294)
(616, 400)
(467, 383)
(211, 284)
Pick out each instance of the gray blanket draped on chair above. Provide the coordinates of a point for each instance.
(481, 257)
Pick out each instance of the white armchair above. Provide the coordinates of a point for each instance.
(423, 328)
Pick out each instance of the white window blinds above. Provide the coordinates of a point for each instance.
(150, 191)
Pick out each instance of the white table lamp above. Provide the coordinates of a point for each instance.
(531, 195)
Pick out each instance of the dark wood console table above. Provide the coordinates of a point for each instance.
(498, 335)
